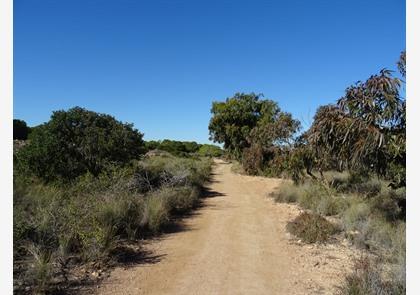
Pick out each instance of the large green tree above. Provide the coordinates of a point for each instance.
(233, 120)
(77, 141)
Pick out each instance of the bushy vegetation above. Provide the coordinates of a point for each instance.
(349, 164)
(80, 207)
(20, 130)
(368, 278)
(184, 148)
(370, 218)
(78, 141)
(87, 217)
(312, 228)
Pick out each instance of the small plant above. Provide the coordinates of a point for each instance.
(156, 213)
(286, 193)
(367, 278)
(312, 228)
(355, 216)
(42, 268)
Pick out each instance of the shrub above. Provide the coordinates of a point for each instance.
(180, 200)
(355, 216)
(20, 129)
(77, 141)
(156, 213)
(42, 268)
(287, 193)
(312, 228)
(319, 199)
(356, 183)
(123, 214)
(390, 203)
(367, 278)
(253, 159)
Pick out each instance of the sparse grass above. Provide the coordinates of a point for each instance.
(311, 196)
(355, 216)
(287, 193)
(368, 278)
(312, 228)
(41, 271)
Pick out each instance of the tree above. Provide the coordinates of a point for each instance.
(233, 120)
(279, 131)
(366, 129)
(77, 141)
(20, 129)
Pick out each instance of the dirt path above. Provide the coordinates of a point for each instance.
(236, 244)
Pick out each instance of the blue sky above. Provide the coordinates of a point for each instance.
(159, 64)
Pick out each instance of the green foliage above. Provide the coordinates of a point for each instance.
(20, 129)
(366, 129)
(210, 150)
(77, 141)
(151, 145)
(233, 120)
(182, 148)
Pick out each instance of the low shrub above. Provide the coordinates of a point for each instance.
(355, 184)
(41, 271)
(319, 199)
(180, 199)
(391, 204)
(355, 216)
(368, 278)
(253, 159)
(312, 228)
(287, 193)
(156, 213)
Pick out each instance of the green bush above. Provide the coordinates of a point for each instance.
(77, 141)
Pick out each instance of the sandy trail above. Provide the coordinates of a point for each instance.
(235, 244)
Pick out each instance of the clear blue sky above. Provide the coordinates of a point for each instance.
(160, 64)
